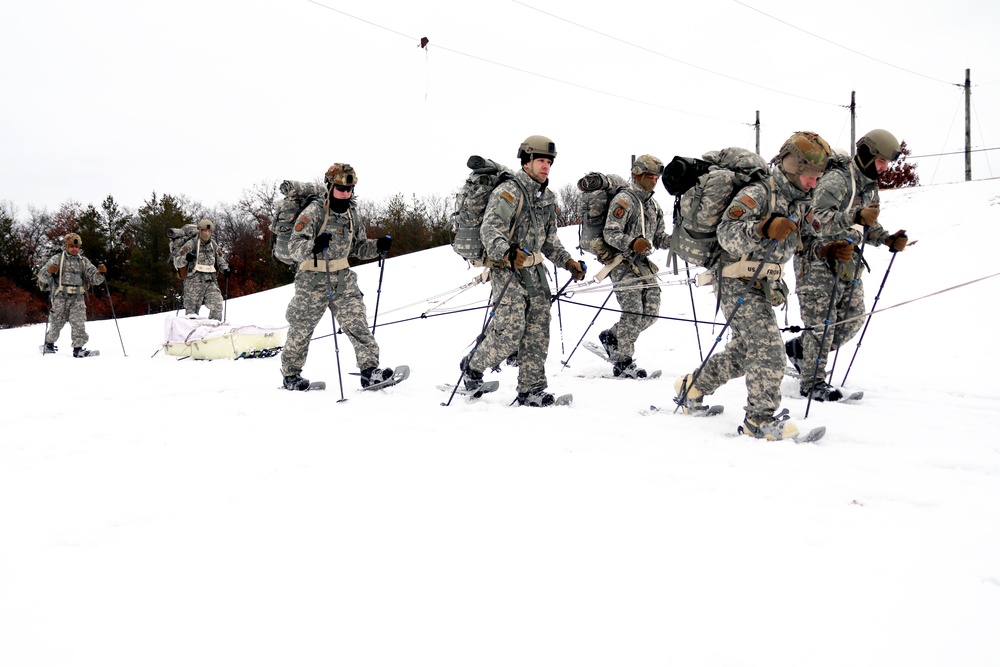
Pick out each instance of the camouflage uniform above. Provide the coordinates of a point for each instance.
(631, 214)
(522, 318)
(832, 216)
(66, 291)
(755, 349)
(313, 285)
(201, 285)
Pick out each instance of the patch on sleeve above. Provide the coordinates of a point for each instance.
(299, 226)
(748, 201)
(509, 197)
(735, 212)
(305, 218)
(619, 212)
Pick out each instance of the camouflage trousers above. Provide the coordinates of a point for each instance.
(815, 283)
(311, 301)
(754, 350)
(520, 323)
(640, 307)
(199, 289)
(68, 308)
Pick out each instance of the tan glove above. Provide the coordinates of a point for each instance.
(578, 271)
(896, 242)
(101, 268)
(53, 269)
(517, 258)
(641, 245)
(838, 251)
(777, 227)
(867, 216)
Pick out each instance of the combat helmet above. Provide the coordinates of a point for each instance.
(206, 225)
(72, 240)
(536, 146)
(341, 173)
(647, 164)
(809, 148)
(877, 143)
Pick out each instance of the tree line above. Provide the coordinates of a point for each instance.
(133, 244)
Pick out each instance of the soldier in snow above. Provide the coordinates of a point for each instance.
(633, 228)
(518, 231)
(845, 209)
(198, 261)
(68, 275)
(326, 233)
(760, 225)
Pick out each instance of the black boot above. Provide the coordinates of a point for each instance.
(49, 348)
(373, 375)
(296, 383)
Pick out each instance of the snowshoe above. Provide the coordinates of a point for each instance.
(394, 377)
(295, 383)
(536, 398)
(689, 397)
(822, 392)
(627, 369)
(776, 427)
(472, 379)
(372, 376)
(81, 352)
(49, 348)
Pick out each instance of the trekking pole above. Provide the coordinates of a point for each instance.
(333, 319)
(850, 292)
(562, 341)
(718, 339)
(225, 299)
(482, 334)
(566, 362)
(694, 312)
(111, 303)
(378, 292)
(826, 331)
(869, 318)
(558, 300)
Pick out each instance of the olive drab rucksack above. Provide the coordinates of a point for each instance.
(470, 206)
(298, 196)
(598, 190)
(702, 190)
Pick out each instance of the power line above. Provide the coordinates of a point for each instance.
(841, 46)
(529, 72)
(961, 152)
(676, 60)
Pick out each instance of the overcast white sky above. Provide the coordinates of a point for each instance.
(208, 98)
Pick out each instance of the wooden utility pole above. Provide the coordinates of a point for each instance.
(968, 126)
(756, 126)
(853, 120)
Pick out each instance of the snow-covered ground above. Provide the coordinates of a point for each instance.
(156, 511)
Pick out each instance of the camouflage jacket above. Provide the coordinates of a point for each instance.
(737, 231)
(208, 257)
(626, 220)
(534, 230)
(74, 271)
(348, 235)
(841, 192)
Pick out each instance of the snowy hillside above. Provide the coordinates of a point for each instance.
(156, 511)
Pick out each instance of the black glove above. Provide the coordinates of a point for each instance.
(189, 257)
(321, 243)
(383, 244)
(226, 272)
